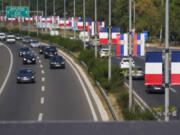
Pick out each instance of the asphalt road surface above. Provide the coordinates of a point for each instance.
(56, 95)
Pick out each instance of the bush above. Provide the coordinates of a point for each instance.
(15, 31)
(4, 29)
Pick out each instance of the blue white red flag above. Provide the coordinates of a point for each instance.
(175, 68)
(115, 32)
(153, 68)
(103, 36)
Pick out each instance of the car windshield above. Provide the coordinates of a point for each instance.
(35, 41)
(25, 71)
(138, 68)
(24, 49)
(27, 38)
(57, 58)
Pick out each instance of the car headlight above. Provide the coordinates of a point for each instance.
(32, 77)
(25, 59)
(18, 77)
(46, 53)
(33, 59)
(62, 62)
(52, 62)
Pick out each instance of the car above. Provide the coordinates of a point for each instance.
(25, 75)
(57, 62)
(10, 38)
(41, 49)
(50, 52)
(18, 37)
(26, 40)
(34, 43)
(124, 64)
(137, 73)
(23, 51)
(2, 36)
(155, 89)
(29, 58)
(104, 52)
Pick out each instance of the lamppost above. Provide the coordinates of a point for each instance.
(37, 18)
(46, 14)
(29, 15)
(74, 19)
(64, 18)
(84, 21)
(109, 42)
(54, 7)
(95, 28)
(130, 57)
(167, 62)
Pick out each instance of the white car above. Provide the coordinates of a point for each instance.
(124, 64)
(10, 39)
(104, 52)
(35, 43)
(2, 36)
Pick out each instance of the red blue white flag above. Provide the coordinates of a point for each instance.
(153, 68)
(122, 45)
(138, 44)
(175, 68)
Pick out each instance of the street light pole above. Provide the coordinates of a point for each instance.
(74, 19)
(134, 14)
(64, 18)
(95, 28)
(84, 21)
(37, 18)
(46, 14)
(130, 58)
(167, 63)
(110, 38)
(20, 16)
(54, 8)
(2, 8)
(29, 15)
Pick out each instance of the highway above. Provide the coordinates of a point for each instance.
(153, 100)
(56, 95)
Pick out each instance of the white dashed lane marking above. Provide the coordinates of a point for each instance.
(42, 100)
(43, 79)
(40, 61)
(40, 117)
(42, 71)
(41, 66)
(43, 88)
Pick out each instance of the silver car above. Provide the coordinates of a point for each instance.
(137, 73)
(35, 43)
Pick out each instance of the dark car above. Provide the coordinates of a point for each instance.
(155, 89)
(23, 51)
(41, 49)
(18, 37)
(26, 40)
(29, 58)
(57, 62)
(50, 52)
(25, 75)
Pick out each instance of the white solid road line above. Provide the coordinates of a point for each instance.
(43, 88)
(41, 66)
(173, 90)
(40, 117)
(42, 71)
(43, 79)
(39, 61)
(42, 100)
(9, 71)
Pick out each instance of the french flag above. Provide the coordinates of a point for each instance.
(80, 24)
(175, 68)
(103, 36)
(153, 68)
(122, 45)
(139, 44)
(115, 32)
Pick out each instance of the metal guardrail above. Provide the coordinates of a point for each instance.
(101, 90)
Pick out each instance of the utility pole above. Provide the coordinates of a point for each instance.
(64, 18)
(130, 57)
(167, 63)
(84, 21)
(134, 19)
(29, 15)
(95, 28)
(2, 9)
(46, 14)
(162, 4)
(20, 16)
(37, 18)
(110, 38)
(54, 8)
(11, 16)
(74, 19)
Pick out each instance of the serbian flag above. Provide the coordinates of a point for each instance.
(100, 25)
(61, 22)
(153, 68)
(103, 36)
(31, 19)
(175, 68)
(122, 45)
(138, 44)
(115, 32)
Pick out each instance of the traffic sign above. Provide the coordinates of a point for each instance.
(16, 11)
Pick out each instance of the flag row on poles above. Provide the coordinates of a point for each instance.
(154, 68)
